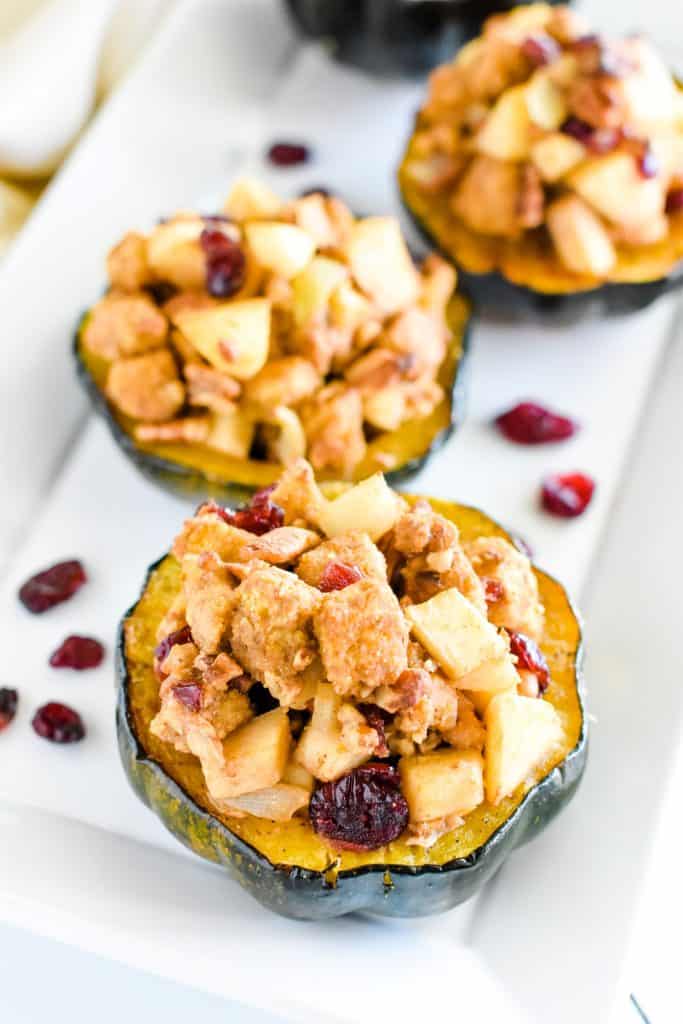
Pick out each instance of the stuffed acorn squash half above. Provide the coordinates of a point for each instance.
(547, 164)
(352, 700)
(227, 347)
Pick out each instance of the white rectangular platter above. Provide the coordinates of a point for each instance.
(88, 863)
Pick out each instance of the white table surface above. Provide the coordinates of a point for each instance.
(65, 984)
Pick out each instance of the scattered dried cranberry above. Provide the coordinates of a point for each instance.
(361, 811)
(8, 706)
(337, 575)
(494, 591)
(530, 658)
(597, 140)
(52, 586)
(178, 636)
(259, 516)
(540, 49)
(189, 694)
(78, 652)
(288, 154)
(58, 723)
(567, 495)
(530, 423)
(674, 200)
(225, 263)
(377, 718)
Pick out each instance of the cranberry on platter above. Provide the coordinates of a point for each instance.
(531, 423)
(58, 723)
(567, 495)
(288, 154)
(52, 586)
(79, 652)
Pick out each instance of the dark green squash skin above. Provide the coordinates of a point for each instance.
(186, 482)
(389, 37)
(398, 891)
(497, 298)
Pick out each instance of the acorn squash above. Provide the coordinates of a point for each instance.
(287, 866)
(524, 279)
(394, 36)
(196, 471)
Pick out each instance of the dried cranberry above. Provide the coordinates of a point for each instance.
(597, 140)
(8, 706)
(225, 263)
(494, 591)
(540, 49)
(377, 718)
(337, 575)
(58, 723)
(361, 811)
(530, 658)
(674, 200)
(78, 652)
(288, 154)
(567, 495)
(178, 636)
(52, 586)
(189, 694)
(530, 423)
(259, 516)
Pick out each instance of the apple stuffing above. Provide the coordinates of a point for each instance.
(346, 661)
(546, 143)
(274, 331)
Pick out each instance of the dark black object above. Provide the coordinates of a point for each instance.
(395, 36)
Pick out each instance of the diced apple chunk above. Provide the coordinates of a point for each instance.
(290, 442)
(175, 255)
(381, 264)
(491, 676)
(613, 186)
(275, 803)
(313, 287)
(348, 308)
(385, 408)
(231, 432)
(255, 756)
(443, 783)
(506, 132)
(233, 336)
(521, 733)
(370, 506)
(297, 775)
(580, 239)
(281, 248)
(650, 91)
(321, 749)
(556, 155)
(251, 200)
(545, 102)
(455, 633)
